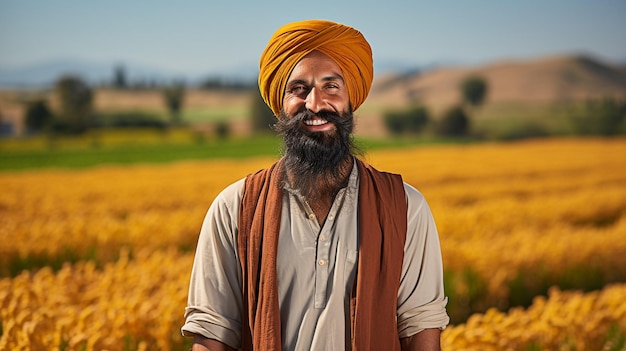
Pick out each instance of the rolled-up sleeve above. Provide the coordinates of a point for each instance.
(421, 298)
(214, 303)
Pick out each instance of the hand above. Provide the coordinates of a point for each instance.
(200, 343)
(426, 340)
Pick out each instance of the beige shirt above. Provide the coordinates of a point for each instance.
(316, 269)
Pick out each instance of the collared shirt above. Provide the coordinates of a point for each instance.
(316, 270)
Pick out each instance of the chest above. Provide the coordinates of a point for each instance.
(315, 257)
(316, 270)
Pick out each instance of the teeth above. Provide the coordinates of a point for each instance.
(315, 122)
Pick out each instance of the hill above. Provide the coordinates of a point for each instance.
(520, 90)
(542, 80)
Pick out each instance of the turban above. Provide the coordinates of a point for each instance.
(343, 44)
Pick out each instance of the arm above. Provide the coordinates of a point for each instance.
(214, 300)
(421, 298)
(426, 340)
(200, 343)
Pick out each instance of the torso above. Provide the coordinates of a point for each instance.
(321, 208)
(316, 265)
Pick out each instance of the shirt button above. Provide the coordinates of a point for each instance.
(322, 238)
(312, 216)
(321, 262)
(331, 216)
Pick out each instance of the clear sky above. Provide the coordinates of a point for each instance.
(207, 36)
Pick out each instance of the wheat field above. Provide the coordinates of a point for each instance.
(532, 235)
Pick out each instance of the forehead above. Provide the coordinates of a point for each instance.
(316, 65)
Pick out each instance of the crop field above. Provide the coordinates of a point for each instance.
(532, 233)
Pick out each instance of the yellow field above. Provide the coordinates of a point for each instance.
(514, 219)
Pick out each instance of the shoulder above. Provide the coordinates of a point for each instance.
(414, 198)
(420, 221)
(232, 191)
(230, 194)
(419, 215)
(227, 201)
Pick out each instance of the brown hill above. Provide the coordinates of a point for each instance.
(535, 81)
(543, 80)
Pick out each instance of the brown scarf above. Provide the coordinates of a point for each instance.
(382, 216)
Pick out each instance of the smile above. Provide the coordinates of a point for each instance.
(315, 122)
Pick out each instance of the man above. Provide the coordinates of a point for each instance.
(320, 251)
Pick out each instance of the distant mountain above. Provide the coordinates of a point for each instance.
(45, 74)
(396, 82)
(546, 79)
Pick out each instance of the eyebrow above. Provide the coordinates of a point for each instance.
(334, 77)
(329, 78)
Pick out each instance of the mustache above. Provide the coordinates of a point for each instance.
(286, 125)
(316, 161)
(306, 114)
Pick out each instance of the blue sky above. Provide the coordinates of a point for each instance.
(199, 37)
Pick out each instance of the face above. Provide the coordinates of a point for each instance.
(316, 125)
(316, 84)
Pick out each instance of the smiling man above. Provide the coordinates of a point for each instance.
(320, 251)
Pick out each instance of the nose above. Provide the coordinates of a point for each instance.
(314, 101)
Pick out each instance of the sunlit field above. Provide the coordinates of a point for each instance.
(532, 234)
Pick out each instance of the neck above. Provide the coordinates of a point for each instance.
(320, 187)
(319, 193)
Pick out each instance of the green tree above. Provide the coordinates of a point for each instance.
(222, 130)
(119, 78)
(454, 123)
(417, 119)
(38, 115)
(605, 117)
(75, 102)
(474, 90)
(394, 121)
(262, 117)
(412, 120)
(174, 96)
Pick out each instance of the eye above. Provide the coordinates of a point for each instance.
(298, 90)
(331, 88)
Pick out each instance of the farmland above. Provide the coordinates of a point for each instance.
(531, 232)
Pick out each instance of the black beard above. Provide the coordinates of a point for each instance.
(317, 163)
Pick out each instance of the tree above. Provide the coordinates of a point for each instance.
(412, 120)
(606, 117)
(174, 97)
(222, 130)
(75, 99)
(119, 78)
(474, 90)
(417, 119)
(394, 122)
(454, 123)
(38, 115)
(262, 117)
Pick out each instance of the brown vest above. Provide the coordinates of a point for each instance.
(382, 220)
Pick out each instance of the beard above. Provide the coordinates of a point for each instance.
(317, 163)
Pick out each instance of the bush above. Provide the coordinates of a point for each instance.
(604, 117)
(130, 120)
(526, 130)
(394, 122)
(75, 98)
(38, 116)
(222, 130)
(261, 116)
(410, 121)
(173, 97)
(454, 123)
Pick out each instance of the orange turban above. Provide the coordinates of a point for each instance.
(344, 44)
